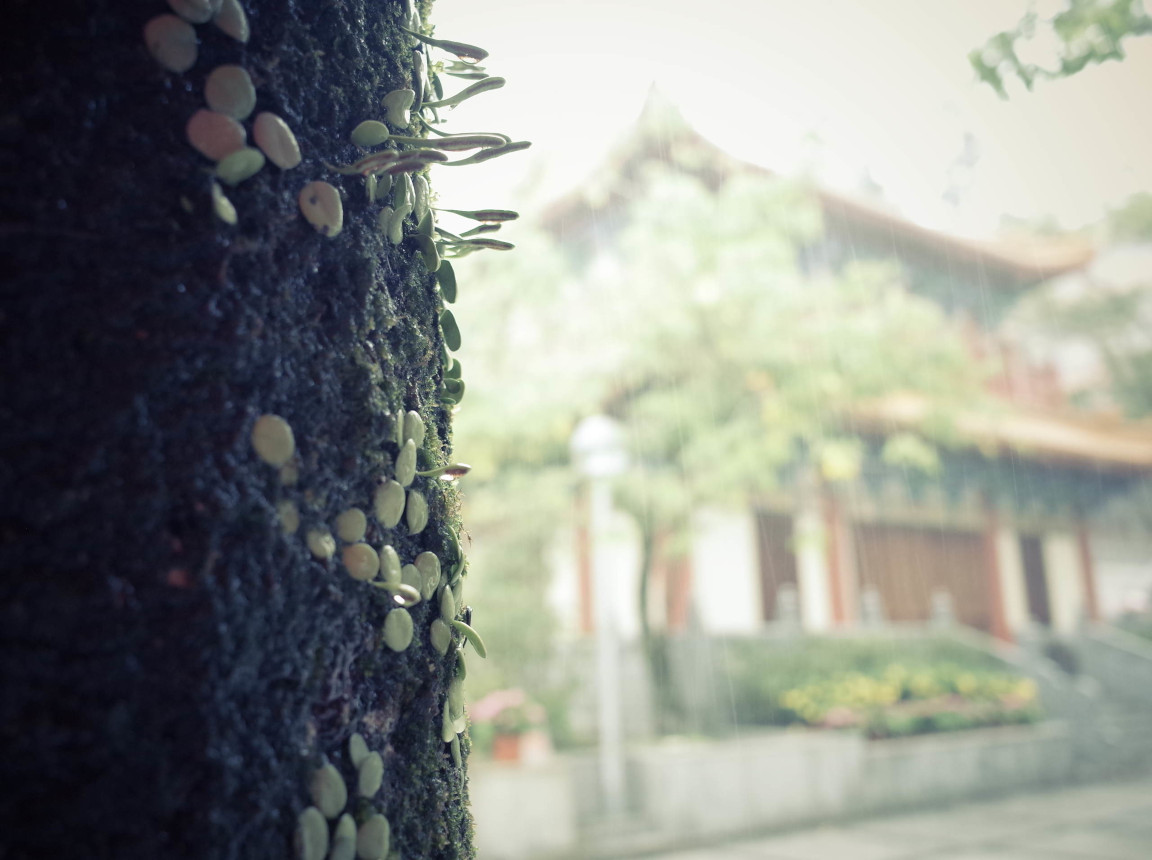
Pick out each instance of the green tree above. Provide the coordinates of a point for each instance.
(176, 663)
(1113, 318)
(1115, 321)
(703, 333)
(1132, 221)
(1085, 32)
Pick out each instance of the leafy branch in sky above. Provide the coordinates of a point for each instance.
(1082, 33)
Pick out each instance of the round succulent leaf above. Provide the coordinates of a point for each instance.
(447, 605)
(193, 11)
(229, 90)
(345, 828)
(456, 698)
(214, 135)
(222, 206)
(373, 838)
(233, 21)
(446, 278)
(398, 629)
(370, 774)
(369, 133)
(361, 561)
(357, 751)
(351, 525)
(171, 42)
(440, 635)
(311, 835)
(420, 206)
(322, 208)
(416, 512)
(414, 427)
(344, 847)
(428, 251)
(410, 575)
(384, 219)
(321, 543)
(328, 791)
(447, 732)
(273, 440)
(429, 566)
(237, 166)
(276, 140)
(397, 104)
(450, 329)
(390, 565)
(406, 464)
(388, 503)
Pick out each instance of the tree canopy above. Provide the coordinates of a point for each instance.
(702, 330)
(1080, 34)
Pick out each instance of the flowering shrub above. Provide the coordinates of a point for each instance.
(899, 700)
(504, 712)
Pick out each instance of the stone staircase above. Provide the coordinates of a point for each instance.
(1100, 681)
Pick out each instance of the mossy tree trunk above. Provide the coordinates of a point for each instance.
(174, 665)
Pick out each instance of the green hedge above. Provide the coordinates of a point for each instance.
(889, 686)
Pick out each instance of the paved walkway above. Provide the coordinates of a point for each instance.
(1112, 821)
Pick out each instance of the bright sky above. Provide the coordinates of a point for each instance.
(840, 87)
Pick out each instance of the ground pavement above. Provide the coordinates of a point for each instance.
(1111, 821)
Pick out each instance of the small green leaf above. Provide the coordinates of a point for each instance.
(472, 636)
(461, 49)
(454, 388)
(239, 165)
(369, 133)
(481, 86)
(488, 215)
(450, 329)
(398, 629)
(446, 277)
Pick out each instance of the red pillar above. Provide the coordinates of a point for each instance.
(834, 546)
(584, 560)
(679, 593)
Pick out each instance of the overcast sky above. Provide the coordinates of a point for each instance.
(846, 88)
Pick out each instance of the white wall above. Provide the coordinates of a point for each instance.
(563, 594)
(1122, 564)
(1012, 584)
(812, 572)
(725, 571)
(1062, 567)
(618, 552)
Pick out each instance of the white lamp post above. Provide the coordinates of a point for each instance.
(597, 448)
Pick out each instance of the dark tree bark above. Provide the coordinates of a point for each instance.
(174, 665)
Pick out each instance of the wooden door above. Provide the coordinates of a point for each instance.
(906, 564)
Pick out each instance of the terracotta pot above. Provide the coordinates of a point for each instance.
(506, 747)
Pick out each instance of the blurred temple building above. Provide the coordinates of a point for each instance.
(1033, 522)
